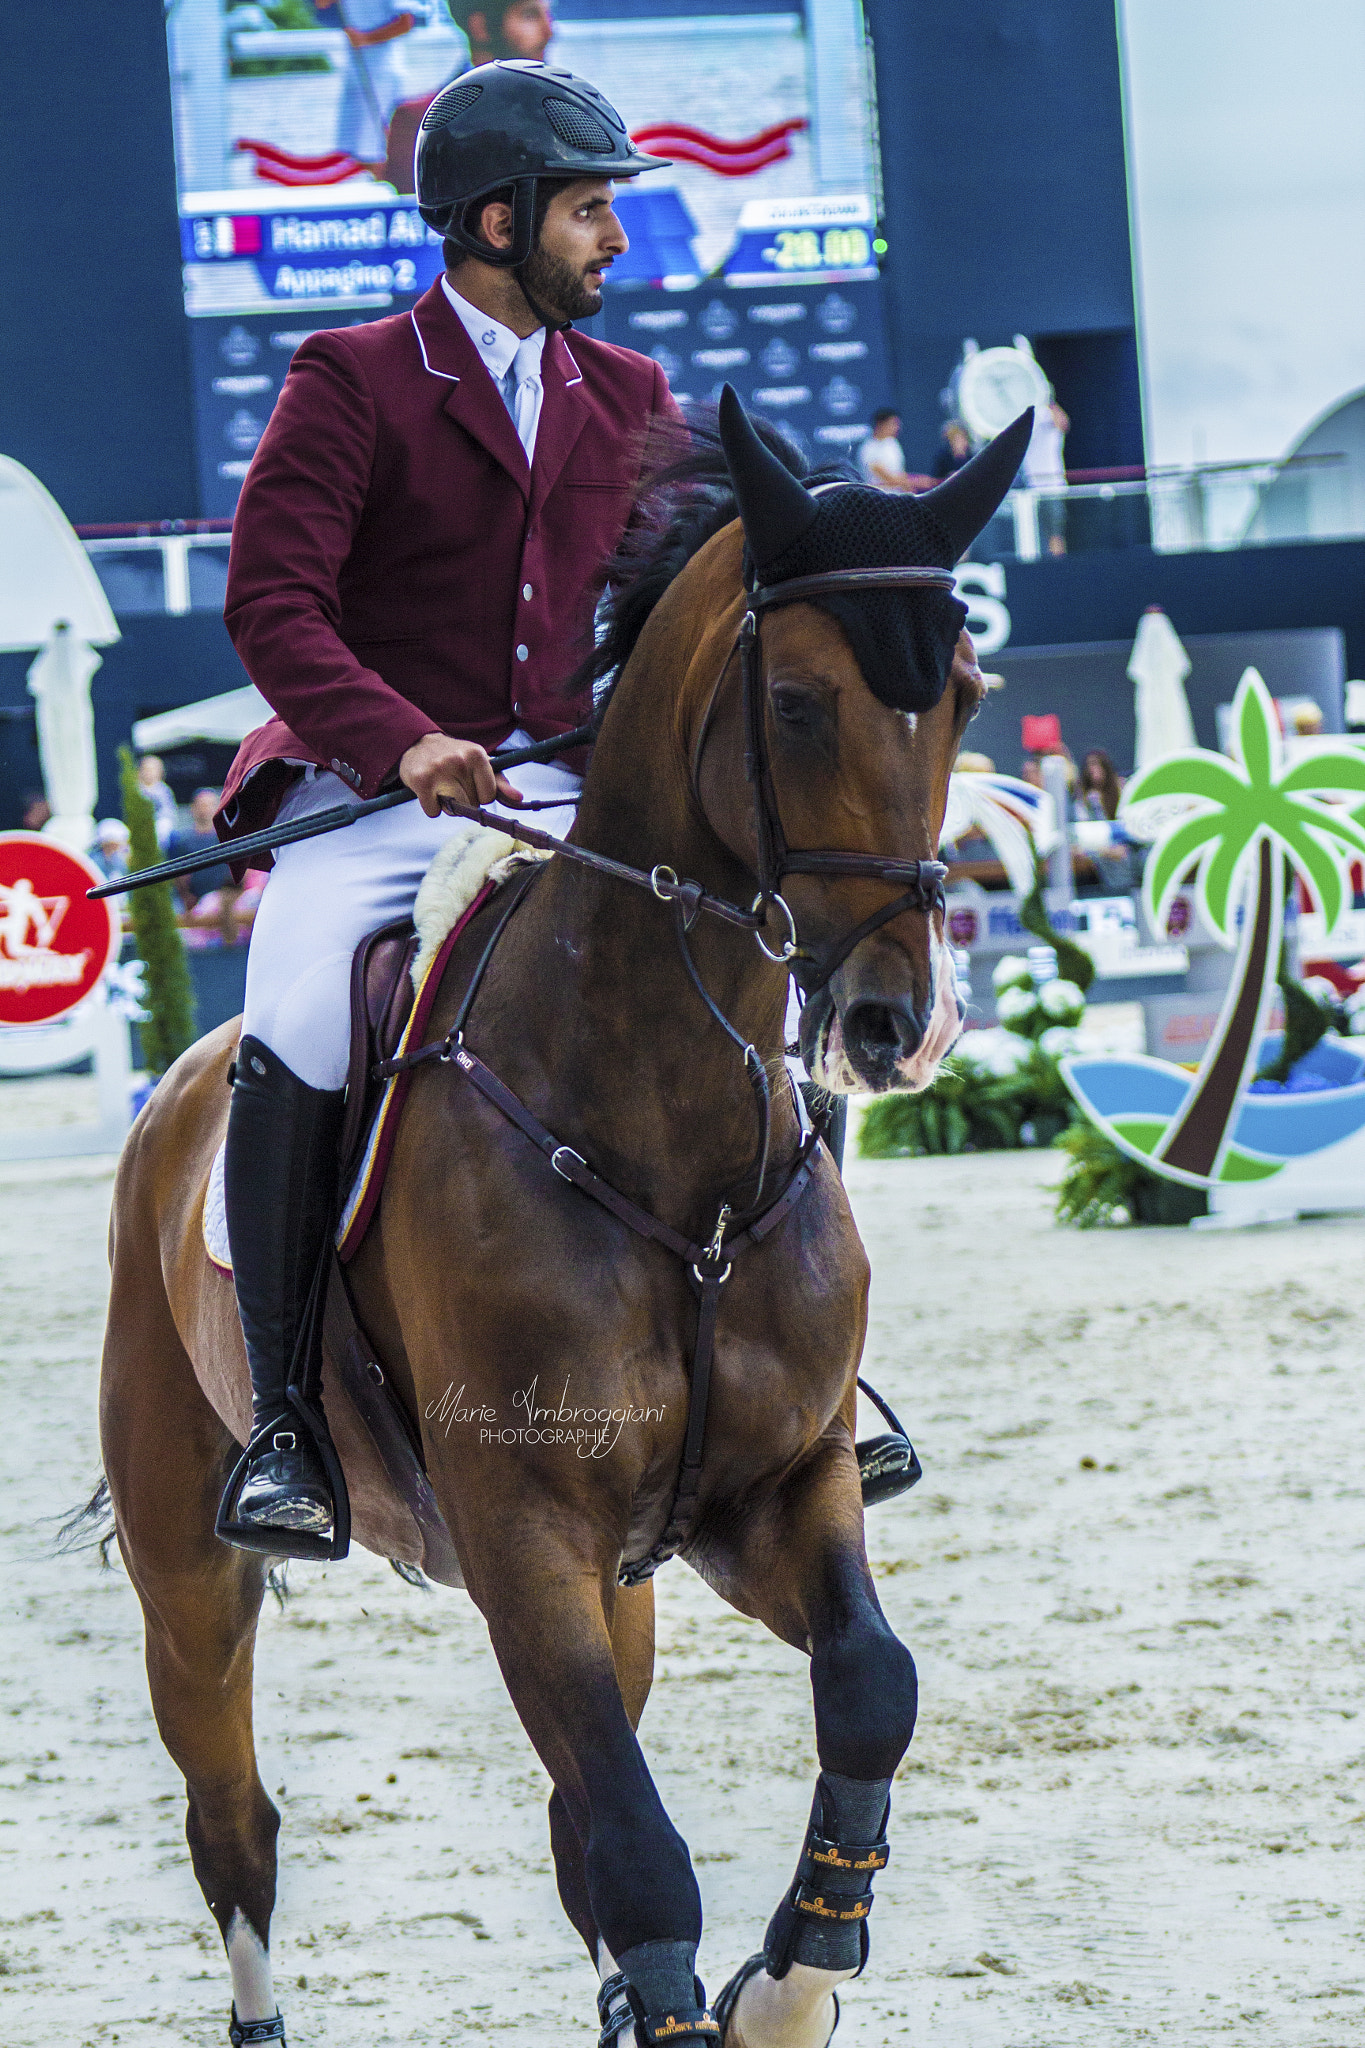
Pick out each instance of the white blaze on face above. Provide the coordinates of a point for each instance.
(945, 1024)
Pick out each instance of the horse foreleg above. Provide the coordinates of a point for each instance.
(801, 1567)
(632, 1646)
(552, 1624)
(167, 1457)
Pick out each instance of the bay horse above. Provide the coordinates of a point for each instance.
(483, 1268)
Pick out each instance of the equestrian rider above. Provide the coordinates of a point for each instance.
(419, 541)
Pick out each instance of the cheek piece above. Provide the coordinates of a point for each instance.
(822, 1921)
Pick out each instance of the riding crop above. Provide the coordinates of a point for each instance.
(333, 820)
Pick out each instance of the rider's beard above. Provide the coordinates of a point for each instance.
(558, 288)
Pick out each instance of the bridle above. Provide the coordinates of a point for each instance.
(812, 967)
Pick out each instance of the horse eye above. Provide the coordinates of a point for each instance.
(795, 709)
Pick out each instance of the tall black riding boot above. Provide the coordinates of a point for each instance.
(280, 1183)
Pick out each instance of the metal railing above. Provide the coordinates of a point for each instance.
(182, 567)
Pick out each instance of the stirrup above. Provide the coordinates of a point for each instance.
(724, 2007)
(887, 1465)
(248, 2033)
(280, 1542)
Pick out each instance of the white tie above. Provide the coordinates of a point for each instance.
(523, 389)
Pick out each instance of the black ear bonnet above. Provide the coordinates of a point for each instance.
(902, 640)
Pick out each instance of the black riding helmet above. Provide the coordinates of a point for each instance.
(513, 123)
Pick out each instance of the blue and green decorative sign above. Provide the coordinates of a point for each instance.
(1240, 820)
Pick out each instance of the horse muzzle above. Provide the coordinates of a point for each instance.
(881, 1039)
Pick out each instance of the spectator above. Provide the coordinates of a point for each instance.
(519, 28)
(199, 836)
(1096, 801)
(110, 851)
(1100, 787)
(37, 810)
(881, 457)
(373, 79)
(955, 449)
(1044, 470)
(151, 775)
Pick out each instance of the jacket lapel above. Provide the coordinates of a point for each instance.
(472, 399)
(563, 416)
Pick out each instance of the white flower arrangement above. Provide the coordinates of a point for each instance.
(1010, 971)
(1015, 1007)
(1063, 1001)
(1058, 1041)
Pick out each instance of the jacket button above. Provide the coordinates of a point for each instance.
(527, 592)
(516, 708)
(336, 767)
(523, 652)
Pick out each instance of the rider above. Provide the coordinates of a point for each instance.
(419, 541)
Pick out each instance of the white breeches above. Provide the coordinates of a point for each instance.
(325, 894)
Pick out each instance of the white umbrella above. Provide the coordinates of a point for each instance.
(1158, 667)
(59, 681)
(228, 718)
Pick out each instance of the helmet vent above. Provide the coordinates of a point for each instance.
(451, 106)
(578, 129)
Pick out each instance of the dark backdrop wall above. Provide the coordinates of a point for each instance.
(94, 390)
(988, 109)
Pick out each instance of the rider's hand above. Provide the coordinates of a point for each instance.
(438, 767)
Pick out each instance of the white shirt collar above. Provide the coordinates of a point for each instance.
(496, 344)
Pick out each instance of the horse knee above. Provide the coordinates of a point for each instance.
(866, 1696)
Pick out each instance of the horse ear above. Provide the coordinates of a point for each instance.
(967, 500)
(775, 506)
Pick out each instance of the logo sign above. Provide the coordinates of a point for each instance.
(54, 946)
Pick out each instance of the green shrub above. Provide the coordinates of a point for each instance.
(970, 1108)
(168, 994)
(1102, 1185)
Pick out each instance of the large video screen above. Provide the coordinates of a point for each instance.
(754, 259)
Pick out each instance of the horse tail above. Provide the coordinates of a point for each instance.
(90, 1527)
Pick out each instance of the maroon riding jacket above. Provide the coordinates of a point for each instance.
(397, 569)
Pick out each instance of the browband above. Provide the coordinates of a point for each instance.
(834, 582)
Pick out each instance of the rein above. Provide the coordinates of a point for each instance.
(709, 1265)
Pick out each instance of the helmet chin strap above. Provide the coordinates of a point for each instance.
(546, 320)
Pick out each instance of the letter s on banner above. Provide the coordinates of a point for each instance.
(981, 586)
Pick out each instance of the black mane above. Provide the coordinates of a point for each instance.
(680, 504)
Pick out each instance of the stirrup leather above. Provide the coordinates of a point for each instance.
(249, 2033)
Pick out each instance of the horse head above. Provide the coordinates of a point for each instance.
(864, 696)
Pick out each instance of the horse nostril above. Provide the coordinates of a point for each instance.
(879, 1035)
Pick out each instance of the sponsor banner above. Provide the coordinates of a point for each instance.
(54, 945)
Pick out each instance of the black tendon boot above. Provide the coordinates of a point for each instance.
(656, 1989)
(280, 1175)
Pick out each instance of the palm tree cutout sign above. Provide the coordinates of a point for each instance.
(1251, 812)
